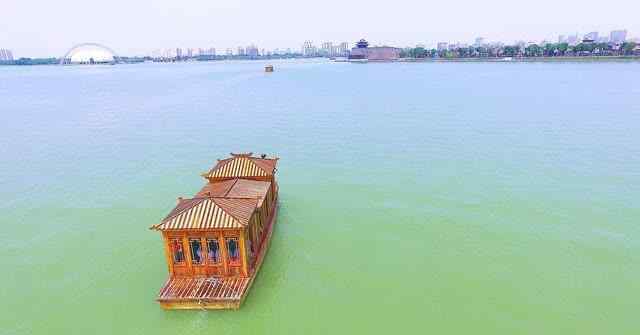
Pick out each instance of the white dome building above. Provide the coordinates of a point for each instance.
(89, 53)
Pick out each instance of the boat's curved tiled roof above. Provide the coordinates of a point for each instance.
(209, 213)
(243, 165)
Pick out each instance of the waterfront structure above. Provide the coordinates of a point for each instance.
(442, 46)
(6, 55)
(89, 53)
(618, 36)
(216, 241)
(362, 51)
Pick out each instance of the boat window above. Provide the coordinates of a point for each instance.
(178, 252)
(213, 251)
(196, 250)
(232, 248)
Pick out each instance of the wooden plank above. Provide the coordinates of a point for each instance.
(210, 288)
(225, 288)
(203, 287)
(174, 287)
(195, 288)
(164, 287)
(183, 287)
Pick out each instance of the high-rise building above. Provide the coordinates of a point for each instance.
(327, 49)
(572, 39)
(178, 52)
(169, 53)
(343, 49)
(442, 46)
(252, 51)
(562, 39)
(211, 52)
(480, 41)
(241, 51)
(6, 55)
(229, 52)
(618, 36)
(308, 50)
(592, 36)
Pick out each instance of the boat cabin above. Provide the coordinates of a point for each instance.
(218, 236)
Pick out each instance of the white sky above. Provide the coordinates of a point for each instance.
(39, 28)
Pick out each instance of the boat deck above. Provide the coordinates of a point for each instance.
(203, 289)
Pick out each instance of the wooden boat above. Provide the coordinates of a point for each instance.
(216, 241)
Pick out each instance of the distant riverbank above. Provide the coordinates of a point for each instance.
(526, 59)
(53, 61)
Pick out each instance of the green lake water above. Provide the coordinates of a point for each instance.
(445, 198)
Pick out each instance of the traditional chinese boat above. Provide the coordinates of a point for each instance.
(216, 241)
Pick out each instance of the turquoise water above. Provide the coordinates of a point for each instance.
(484, 198)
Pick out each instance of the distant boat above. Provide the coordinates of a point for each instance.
(268, 68)
(507, 59)
(358, 60)
(339, 59)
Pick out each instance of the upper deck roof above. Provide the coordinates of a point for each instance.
(217, 189)
(244, 188)
(222, 204)
(243, 165)
(237, 188)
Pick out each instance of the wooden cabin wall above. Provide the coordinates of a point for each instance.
(189, 268)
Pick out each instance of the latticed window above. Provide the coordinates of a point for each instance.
(213, 253)
(233, 249)
(196, 250)
(177, 250)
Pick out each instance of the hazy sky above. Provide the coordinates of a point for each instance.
(48, 28)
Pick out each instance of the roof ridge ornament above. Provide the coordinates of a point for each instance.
(241, 154)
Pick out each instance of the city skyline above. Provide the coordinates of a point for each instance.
(137, 28)
(336, 49)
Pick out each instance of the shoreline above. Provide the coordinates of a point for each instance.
(560, 59)
(522, 59)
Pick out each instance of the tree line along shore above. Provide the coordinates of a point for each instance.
(533, 51)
